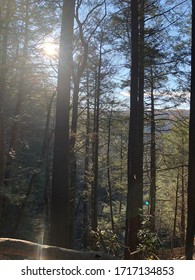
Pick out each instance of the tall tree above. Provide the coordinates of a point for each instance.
(4, 33)
(94, 221)
(109, 169)
(191, 179)
(60, 212)
(152, 158)
(86, 197)
(80, 63)
(135, 191)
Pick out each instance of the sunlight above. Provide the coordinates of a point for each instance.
(40, 241)
(50, 49)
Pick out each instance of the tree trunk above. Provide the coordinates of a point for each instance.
(108, 172)
(141, 101)
(94, 223)
(73, 161)
(191, 179)
(60, 211)
(86, 223)
(37, 251)
(121, 169)
(153, 160)
(2, 96)
(183, 220)
(47, 208)
(134, 190)
(175, 215)
(182, 227)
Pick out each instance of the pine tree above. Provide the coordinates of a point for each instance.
(191, 179)
(60, 211)
(135, 190)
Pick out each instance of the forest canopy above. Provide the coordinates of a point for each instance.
(96, 125)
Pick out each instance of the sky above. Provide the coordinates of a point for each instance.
(169, 21)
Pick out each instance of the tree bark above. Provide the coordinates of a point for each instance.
(182, 227)
(94, 223)
(77, 75)
(191, 177)
(109, 171)
(175, 214)
(60, 210)
(2, 96)
(132, 212)
(152, 159)
(37, 251)
(140, 101)
(86, 190)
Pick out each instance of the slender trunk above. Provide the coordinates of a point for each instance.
(141, 102)
(96, 144)
(133, 195)
(182, 227)
(108, 171)
(61, 221)
(191, 177)
(93, 193)
(47, 208)
(153, 161)
(73, 161)
(121, 169)
(3, 73)
(175, 215)
(86, 177)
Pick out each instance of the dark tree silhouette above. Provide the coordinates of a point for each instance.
(135, 145)
(60, 212)
(191, 179)
(3, 61)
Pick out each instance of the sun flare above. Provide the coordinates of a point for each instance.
(50, 49)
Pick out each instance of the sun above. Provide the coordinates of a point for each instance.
(50, 49)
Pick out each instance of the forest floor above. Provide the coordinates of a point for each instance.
(174, 254)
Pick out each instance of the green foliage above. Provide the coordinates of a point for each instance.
(172, 170)
(148, 240)
(107, 241)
